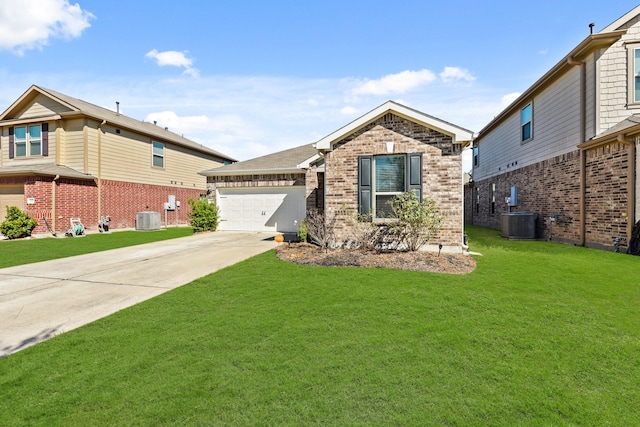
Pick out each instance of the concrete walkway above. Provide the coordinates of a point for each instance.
(42, 300)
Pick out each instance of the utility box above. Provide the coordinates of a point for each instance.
(147, 221)
(519, 225)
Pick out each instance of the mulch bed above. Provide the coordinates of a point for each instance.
(307, 254)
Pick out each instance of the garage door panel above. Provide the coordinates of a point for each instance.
(263, 208)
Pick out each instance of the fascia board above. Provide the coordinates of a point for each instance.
(459, 134)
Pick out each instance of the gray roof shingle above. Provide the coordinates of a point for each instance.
(281, 162)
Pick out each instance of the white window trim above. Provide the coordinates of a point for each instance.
(522, 140)
(631, 101)
(154, 155)
(27, 141)
(375, 193)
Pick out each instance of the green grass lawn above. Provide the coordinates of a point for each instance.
(25, 251)
(540, 334)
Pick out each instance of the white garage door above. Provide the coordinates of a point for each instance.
(261, 208)
(10, 195)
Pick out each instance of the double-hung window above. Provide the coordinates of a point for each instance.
(381, 178)
(633, 81)
(28, 141)
(158, 154)
(526, 122)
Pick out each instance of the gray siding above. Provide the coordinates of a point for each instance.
(556, 131)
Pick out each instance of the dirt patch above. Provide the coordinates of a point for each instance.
(307, 254)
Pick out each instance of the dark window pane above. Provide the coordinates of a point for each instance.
(390, 174)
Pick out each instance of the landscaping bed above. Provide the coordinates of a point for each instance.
(308, 254)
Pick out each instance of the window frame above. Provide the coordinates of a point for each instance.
(27, 143)
(529, 122)
(476, 152)
(367, 189)
(374, 188)
(633, 75)
(155, 155)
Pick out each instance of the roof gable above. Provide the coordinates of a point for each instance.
(620, 22)
(458, 134)
(64, 106)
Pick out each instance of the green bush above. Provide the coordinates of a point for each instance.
(302, 231)
(17, 224)
(416, 221)
(203, 215)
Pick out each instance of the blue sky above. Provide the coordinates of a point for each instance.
(252, 77)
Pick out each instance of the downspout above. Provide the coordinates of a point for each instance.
(100, 169)
(631, 184)
(54, 183)
(583, 155)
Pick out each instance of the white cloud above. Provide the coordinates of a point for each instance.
(349, 111)
(257, 115)
(173, 58)
(30, 24)
(506, 100)
(456, 74)
(395, 83)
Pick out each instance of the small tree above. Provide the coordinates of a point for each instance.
(203, 215)
(17, 224)
(416, 221)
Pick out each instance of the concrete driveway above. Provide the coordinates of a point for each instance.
(42, 300)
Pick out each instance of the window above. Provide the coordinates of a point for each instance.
(26, 141)
(526, 121)
(158, 154)
(475, 155)
(633, 60)
(381, 178)
(477, 200)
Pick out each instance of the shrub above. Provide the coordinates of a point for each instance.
(302, 231)
(203, 215)
(365, 232)
(17, 224)
(319, 231)
(416, 221)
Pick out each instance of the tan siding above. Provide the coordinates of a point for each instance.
(613, 79)
(42, 106)
(127, 157)
(72, 151)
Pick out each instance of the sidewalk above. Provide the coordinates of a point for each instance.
(41, 300)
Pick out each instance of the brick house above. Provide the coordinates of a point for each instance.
(357, 168)
(63, 158)
(568, 144)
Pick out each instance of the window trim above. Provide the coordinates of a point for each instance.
(28, 142)
(529, 122)
(367, 194)
(632, 102)
(475, 153)
(155, 155)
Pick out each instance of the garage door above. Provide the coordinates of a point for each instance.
(261, 208)
(10, 195)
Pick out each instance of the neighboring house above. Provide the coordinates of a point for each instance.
(358, 168)
(63, 158)
(568, 144)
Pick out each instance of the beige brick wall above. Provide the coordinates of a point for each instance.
(442, 172)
